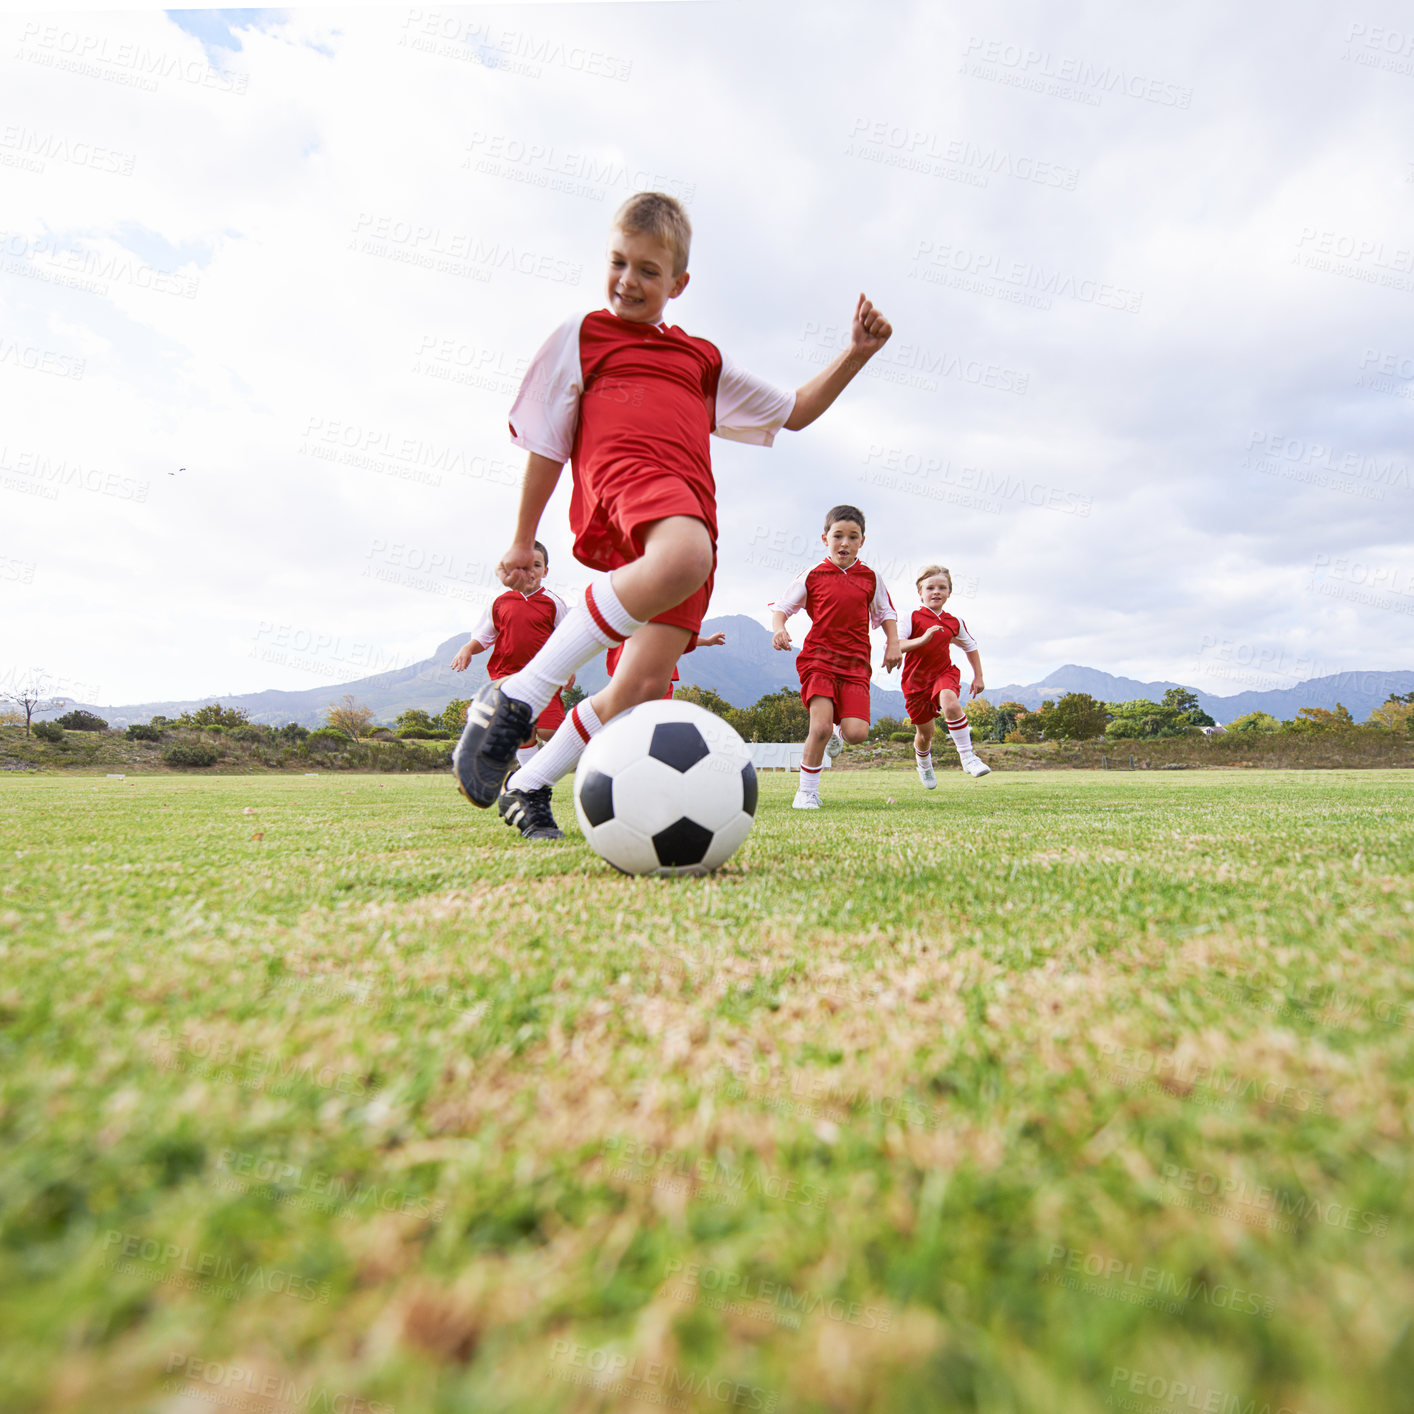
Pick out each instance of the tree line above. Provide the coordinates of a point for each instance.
(780, 716)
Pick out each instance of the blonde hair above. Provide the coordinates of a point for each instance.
(928, 571)
(653, 213)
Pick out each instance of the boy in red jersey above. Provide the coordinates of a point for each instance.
(630, 402)
(514, 627)
(931, 679)
(844, 599)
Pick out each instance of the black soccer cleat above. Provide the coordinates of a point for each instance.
(529, 812)
(495, 726)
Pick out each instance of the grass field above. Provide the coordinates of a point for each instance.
(1053, 1092)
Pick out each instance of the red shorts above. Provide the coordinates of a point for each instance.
(553, 715)
(850, 695)
(613, 534)
(923, 706)
(611, 663)
(550, 718)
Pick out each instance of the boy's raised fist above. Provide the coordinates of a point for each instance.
(870, 330)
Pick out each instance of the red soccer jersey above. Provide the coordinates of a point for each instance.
(515, 626)
(843, 606)
(621, 401)
(924, 666)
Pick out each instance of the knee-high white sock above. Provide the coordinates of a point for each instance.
(961, 733)
(561, 753)
(525, 755)
(596, 624)
(924, 758)
(810, 779)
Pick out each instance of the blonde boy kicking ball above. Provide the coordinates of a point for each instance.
(931, 679)
(630, 402)
(844, 599)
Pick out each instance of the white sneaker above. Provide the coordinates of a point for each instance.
(834, 746)
(805, 801)
(925, 774)
(975, 766)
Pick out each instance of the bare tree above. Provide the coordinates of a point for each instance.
(350, 717)
(34, 696)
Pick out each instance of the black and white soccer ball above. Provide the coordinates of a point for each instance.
(666, 788)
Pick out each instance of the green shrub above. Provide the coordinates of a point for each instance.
(214, 715)
(292, 733)
(423, 734)
(885, 727)
(48, 731)
(251, 733)
(80, 721)
(196, 753)
(900, 736)
(327, 739)
(140, 732)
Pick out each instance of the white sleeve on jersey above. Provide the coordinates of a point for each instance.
(561, 608)
(485, 631)
(546, 410)
(963, 638)
(881, 607)
(793, 600)
(748, 408)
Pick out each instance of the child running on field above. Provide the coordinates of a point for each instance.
(931, 679)
(844, 599)
(514, 627)
(630, 401)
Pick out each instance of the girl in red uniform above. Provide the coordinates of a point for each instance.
(931, 680)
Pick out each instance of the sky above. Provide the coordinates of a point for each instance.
(268, 280)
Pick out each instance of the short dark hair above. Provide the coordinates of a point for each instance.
(844, 513)
(544, 552)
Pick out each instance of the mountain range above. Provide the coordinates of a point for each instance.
(744, 669)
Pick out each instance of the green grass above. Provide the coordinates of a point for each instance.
(1047, 1093)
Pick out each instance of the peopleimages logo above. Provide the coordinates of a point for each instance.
(187, 1373)
(1202, 1082)
(1149, 1285)
(1225, 1192)
(1065, 76)
(248, 1169)
(43, 258)
(1158, 1392)
(734, 1288)
(609, 1372)
(134, 1255)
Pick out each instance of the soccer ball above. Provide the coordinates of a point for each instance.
(667, 788)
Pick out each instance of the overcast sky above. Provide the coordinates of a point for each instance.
(267, 279)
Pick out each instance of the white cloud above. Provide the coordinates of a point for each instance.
(1118, 487)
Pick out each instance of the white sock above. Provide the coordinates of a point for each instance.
(810, 779)
(961, 733)
(526, 754)
(561, 753)
(596, 624)
(924, 758)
